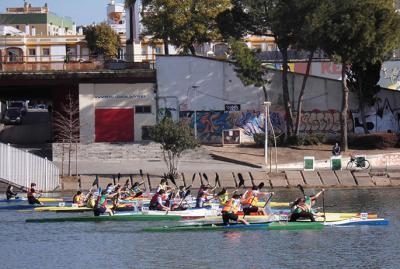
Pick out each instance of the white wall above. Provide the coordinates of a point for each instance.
(216, 80)
(92, 96)
(58, 52)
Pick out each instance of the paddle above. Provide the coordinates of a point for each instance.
(191, 184)
(261, 185)
(301, 189)
(96, 182)
(217, 180)
(206, 178)
(126, 184)
(142, 177)
(241, 180)
(131, 179)
(113, 176)
(171, 177)
(323, 205)
(118, 177)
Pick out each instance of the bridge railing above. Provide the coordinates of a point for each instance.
(23, 168)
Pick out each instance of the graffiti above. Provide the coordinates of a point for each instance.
(209, 124)
(322, 121)
(378, 119)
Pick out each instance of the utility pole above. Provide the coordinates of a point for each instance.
(194, 87)
(266, 109)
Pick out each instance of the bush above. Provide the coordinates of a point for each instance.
(259, 139)
(305, 139)
(374, 141)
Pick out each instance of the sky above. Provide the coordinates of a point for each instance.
(81, 11)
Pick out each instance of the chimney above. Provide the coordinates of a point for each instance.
(27, 30)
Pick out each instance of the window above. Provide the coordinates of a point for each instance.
(146, 132)
(46, 52)
(142, 109)
(17, 26)
(157, 50)
(32, 52)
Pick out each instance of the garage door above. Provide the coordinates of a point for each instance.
(114, 125)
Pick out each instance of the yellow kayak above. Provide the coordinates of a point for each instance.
(274, 204)
(49, 199)
(75, 209)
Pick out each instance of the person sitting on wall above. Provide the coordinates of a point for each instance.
(336, 150)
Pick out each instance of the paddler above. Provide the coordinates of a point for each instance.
(32, 195)
(302, 207)
(101, 204)
(163, 185)
(230, 209)
(202, 195)
(136, 191)
(250, 200)
(10, 192)
(223, 196)
(156, 202)
(78, 199)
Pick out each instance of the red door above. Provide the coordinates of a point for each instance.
(114, 125)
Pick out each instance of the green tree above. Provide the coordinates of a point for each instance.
(184, 24)
(308, 36)
(277, 18)
(102, 40)
(363, 80)
(360, 31)
(248, 68)
(175, 138)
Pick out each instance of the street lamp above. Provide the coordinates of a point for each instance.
(266, 109)
(194, 87)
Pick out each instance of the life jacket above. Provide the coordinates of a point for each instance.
(223, 198)
(250, 199)
(101, 201)
(154, 200)
(30, 193)
(231, 206)
(76, 199)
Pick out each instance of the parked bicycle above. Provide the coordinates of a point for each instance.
(358, 162)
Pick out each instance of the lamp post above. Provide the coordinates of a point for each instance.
(266, 109)
(194, 87)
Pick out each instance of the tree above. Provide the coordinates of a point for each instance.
(363, 79)
(184, 24)
(316, 14)
(248, 68)
(277, 18)
(66, 126)
(360, 29)
(102, 40)
(175, 138)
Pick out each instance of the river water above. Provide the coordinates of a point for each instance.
(124, 245)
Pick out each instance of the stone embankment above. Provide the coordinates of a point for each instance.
(286, 179)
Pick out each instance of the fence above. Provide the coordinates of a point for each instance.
(22, 168)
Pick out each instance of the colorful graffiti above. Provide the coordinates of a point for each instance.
(323, 121)
(378, 119)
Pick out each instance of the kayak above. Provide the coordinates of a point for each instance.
(23, 199)
(188, 213)
(220, 227)
(123, 217)
(330, 217)
(358, 221)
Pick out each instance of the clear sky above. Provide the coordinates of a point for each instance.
(81, 11)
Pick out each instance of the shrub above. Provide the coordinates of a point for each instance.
(374, 141)
(305, 139)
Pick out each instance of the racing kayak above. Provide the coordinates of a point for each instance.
(123, 217)
(358, 221)
(188, 213)
(233, 227)
(22, 207)
(23, 199)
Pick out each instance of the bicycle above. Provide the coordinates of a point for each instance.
(358, 163)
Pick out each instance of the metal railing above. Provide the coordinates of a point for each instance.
(23, 168)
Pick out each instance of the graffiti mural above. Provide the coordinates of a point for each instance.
(390, 76)
(322, 121)
(378, 119)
